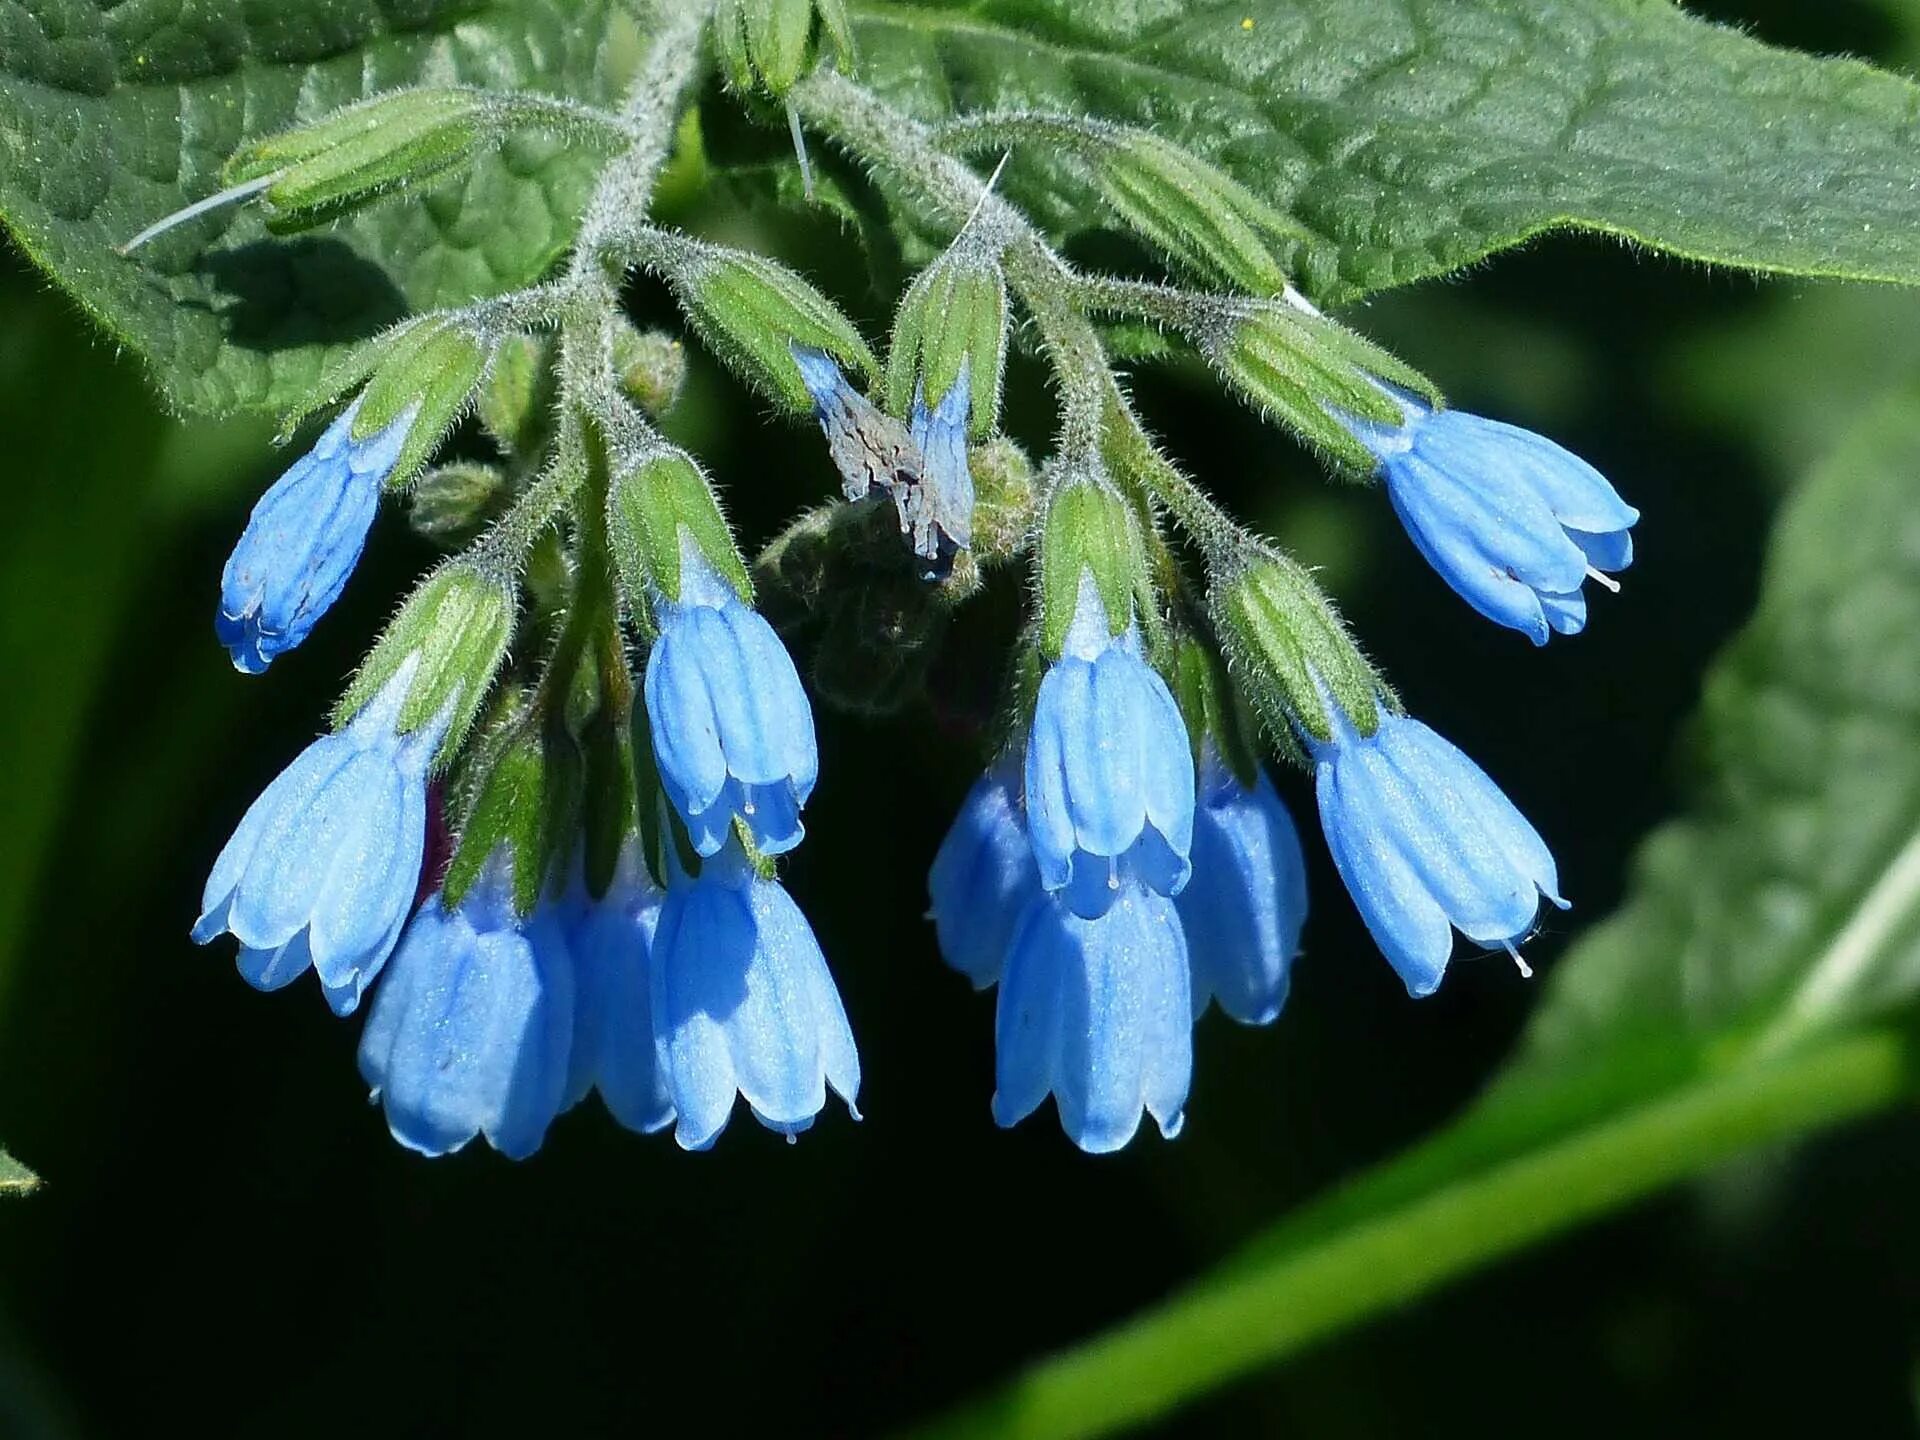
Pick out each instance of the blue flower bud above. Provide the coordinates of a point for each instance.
(1109, 772)
(321, 870)
(1513, 522)
(732, 729)
(743, 1003)
(1427, 844)
(1247, 901)
(1097, 1013)
(983, 876)
(303, 540)
(613, 1042)
(471, 1029)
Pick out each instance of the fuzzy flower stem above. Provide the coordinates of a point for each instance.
(942, 188)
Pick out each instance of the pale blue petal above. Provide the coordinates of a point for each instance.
(982, 877)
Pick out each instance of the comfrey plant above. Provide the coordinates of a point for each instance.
(618, 745)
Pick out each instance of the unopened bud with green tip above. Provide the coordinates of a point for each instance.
(315, 172)
(516, 401)
(1288, 649)
(451, 635)
(767, 42)
(654, 508)
(1305, 371)
(1004, 500)
(523, 797)
(651, 366)
(952, 322)
(753, 313)
(1089, 530)
(451, 504)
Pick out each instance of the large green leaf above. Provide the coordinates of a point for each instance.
(1752, 987)
(115, 114)
(1411, 137)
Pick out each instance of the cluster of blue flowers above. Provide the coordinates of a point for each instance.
(670, 1000)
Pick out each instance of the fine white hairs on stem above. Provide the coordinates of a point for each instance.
(232, 195)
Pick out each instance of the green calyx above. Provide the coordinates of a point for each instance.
(767, 43)
(523, 794)
(361, 152)
(1089, 531)
(952, 322)
(1307, 371)
(751, 312)
(451, 504)
(429, 370)
(656, 508)
(1290, 650)
(651, 366)
(454, 629)
(1194, 212)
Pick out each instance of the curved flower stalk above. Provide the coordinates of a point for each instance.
(321, 870)
(1427, 845)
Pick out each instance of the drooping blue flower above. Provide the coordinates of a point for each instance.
(743, 1003)
(1427, 844)
(303, 540)
(1513, 522)
(1097, 1013)
(471, 1029)
(1109, 771)
(1247, 901)
(321, 870)
(732, 729)
(613, 1040)
(983, 876)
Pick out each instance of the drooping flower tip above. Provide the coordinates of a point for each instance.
(1098, 1014)
(303, 540)
(320, 872)
(471, 1031)
(1427, 844)
(1515, 523)
(744, 1006)
(1109, 770)
(732, 728)
(1247, 902)
(982, 877)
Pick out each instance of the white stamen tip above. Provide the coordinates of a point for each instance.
(233, 195)
(1600, 579)
(800, 151)
(1526, 970)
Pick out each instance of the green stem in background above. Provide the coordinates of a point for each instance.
(1225, 1327)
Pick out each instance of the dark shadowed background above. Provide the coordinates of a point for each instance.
(228, 1239)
